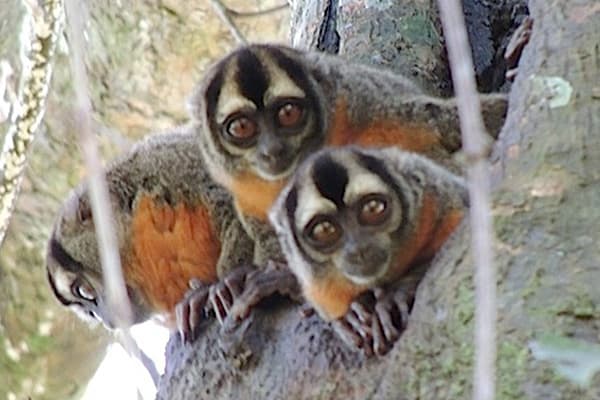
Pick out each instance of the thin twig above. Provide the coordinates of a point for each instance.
(259, 13)
(43, 27)
(117, 299)
(472, 129)
(222, 12)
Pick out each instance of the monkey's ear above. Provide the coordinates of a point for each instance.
(84, 210)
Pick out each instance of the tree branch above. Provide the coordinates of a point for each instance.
(43, 27)
(117, 298)
(223, 13)
(259, 13)
(461, 66)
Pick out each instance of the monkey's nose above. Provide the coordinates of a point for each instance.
(273, 155)
(271, 152)
(365, 261)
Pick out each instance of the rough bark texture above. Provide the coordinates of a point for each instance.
(546, 220)
(404, 36)
(144, 58)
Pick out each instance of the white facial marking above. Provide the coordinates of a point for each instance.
(63, 281)
(311, 203)
(280, 85)
(361, 184)
(230, 100)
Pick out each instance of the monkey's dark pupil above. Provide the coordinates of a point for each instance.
(242, 128)
(325, 232)
(289, 114)
(374, 207)
(373, 212)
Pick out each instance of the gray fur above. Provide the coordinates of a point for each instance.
(169, 167)
(371, 94)
(412, 174)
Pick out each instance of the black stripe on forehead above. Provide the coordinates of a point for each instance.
(291, 203)
(330, 178)
(64, 259)
(298, 72)
(211, 95)
(252, 77)
(292, 68)
(378, 167)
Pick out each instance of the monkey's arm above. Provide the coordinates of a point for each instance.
(237, 248)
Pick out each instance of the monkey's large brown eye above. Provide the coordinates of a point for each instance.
(373, 209)
(323, 232)
(290, 114)
(83, 290)
(242, 129)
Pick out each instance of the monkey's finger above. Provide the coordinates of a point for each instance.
(182, 320)
(254, 292)
(347, 333)
(306, 310)
(379, 293)
(364, 316)
(384, 319)
(196, 314)
(235, 285)
(361, 329)
(189, 313)
(216, 302)
(403, 303)
(380, 342)
(365, 330)
(195, 283)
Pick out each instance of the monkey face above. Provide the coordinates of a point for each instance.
(73, 265)
(354, 239)
(343, 216)
(263, 112)
(81, 292)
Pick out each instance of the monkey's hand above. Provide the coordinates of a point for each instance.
(375, 320)
(191, 312)
(244, 288)
(224, 293)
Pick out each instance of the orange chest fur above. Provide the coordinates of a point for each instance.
(169, 246)
(332, 295)
(255, 196)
